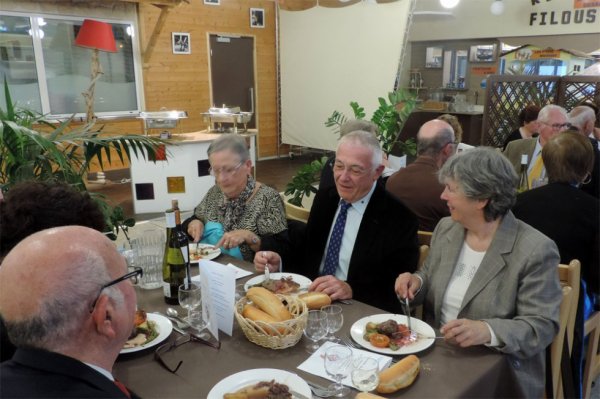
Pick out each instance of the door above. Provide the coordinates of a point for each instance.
(232, 73)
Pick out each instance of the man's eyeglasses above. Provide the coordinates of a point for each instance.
(169, 346)
(354, 170)
(131, 276)
(558, 126)
(225, 171)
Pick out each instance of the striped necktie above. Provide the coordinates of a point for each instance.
(332, 259)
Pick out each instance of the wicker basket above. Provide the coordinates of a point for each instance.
(279, 335)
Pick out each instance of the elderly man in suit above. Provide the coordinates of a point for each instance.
(417, 185)
(552, 119)
(358, 237)
(69, 307)
(489, 279)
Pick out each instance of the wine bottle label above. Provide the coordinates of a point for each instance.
(166, 289)
(170, 219)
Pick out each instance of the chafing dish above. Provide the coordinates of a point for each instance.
(233, 115)
(162, 119)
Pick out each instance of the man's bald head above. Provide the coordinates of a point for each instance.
(433, 139)
(49, 281)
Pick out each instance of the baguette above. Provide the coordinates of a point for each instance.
(253, 313)
(400, 375)
(367, 395)
(315, 300)
(250, 392)
(268, 303)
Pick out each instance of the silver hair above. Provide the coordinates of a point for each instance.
(67, 307)
(432, 146)
(544, 114)
(581, 115)
(365, 139)
(232, 142)
(483, 174)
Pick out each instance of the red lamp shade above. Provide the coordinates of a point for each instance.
(96, 35)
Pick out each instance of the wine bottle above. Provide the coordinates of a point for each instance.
(182, 237)
(523, 180)
(174, 264)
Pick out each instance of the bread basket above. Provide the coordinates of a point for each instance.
(283, 334)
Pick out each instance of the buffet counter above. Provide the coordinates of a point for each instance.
(181, 171)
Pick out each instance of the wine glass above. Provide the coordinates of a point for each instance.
(365, 373)
(315, 329)
(335, 320)
(190, 298)
(338, 363)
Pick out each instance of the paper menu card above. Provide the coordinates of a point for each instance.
(239, 272)
(218, 294)
(315, 364)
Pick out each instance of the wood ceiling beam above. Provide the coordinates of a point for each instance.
(162, 18)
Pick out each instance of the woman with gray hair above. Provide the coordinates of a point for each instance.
(237, 212)
(489, 279)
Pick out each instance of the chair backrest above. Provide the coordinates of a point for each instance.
(570, 275)
(423, 252)
(591, 370)
(424, 237)
(556, 348)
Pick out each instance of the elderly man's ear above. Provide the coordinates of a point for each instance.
(102, 317)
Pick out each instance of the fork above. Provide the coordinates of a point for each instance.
(350, 343)
(320, 391)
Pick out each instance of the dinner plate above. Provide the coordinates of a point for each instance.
(164, 327)
(298, 278)
(249, 377)
(358, 329)
(211, 255)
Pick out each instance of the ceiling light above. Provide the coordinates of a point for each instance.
(497, 7)
(449, 3)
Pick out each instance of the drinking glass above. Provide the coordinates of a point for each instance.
(315, 329)
(190, 298)
(338, 363)
(335, 320)
(365, 373)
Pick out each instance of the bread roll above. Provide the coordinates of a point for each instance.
(253, 313)
(268, 303)
(367, 395)
(400, 375)
(315, 300)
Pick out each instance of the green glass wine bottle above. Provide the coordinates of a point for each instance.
(174, 263)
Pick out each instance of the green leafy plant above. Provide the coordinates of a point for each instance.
(303, 182)
(56, 152)
(389, 118)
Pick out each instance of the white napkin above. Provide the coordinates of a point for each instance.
(315, 364)
(239, 272)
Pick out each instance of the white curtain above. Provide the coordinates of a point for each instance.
(332, 56)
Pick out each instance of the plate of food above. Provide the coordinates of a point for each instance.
(259, 383)
(200, 251)
(150, 329)
(388, 334)
(280, 283)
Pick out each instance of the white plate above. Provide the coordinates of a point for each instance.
(298, 278)
(249, 377)
(211, 255)
(164, 327)
(358, 329)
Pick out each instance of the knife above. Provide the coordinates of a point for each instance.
(298, 395)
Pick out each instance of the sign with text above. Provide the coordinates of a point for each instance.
(484, 70)
(545, 54)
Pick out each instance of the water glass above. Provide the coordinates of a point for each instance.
(338, 363)
(190, 298)
(335, 320)
(149, 249)
(365, 373)
(315, 329)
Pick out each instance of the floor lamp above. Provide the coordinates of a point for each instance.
(98, 36)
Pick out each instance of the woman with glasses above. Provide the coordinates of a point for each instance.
(237, 212)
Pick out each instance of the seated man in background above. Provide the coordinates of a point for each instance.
(358, 237)
(69, 309)
(571, 218)
(582, 119)
(552, 120)
(32, 206)
(417, 185)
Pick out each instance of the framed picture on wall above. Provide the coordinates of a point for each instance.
(212, 2)
(181, 43)
(483, 53)
(257, 18)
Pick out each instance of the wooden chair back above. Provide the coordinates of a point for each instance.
(424, 237)
(591, 369)
(423, 252)
(556, 348)
(571, 275)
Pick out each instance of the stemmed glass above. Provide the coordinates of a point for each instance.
(190, 298)
(365, 373)
(315, 329)
(338, 363)
(335, 320)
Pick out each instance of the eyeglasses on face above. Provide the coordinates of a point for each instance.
(354, 170)
(225, 171)
(131, 276)
(558, 126)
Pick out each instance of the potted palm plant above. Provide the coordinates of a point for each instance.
(35, 149)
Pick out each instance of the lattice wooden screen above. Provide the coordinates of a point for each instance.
(507, 95)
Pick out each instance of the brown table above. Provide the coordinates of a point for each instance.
(446, 371)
